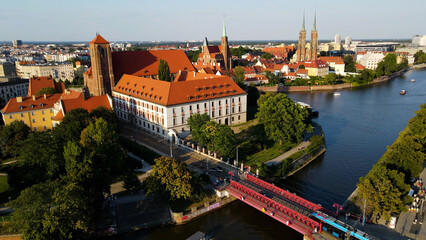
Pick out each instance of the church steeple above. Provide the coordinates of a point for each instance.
(315, 21)
(224, 29)
(205, 43)
(303, 25)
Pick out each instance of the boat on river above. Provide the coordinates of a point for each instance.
(403, 92)
(336, 94)
(413, 80)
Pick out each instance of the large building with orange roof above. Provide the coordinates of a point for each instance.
(163, 107)
(108, 67)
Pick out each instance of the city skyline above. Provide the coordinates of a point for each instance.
(246, 20)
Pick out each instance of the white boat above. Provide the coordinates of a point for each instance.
(337, 94)
(403, 92)
(413, 80)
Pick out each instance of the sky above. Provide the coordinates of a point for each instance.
(184, 20)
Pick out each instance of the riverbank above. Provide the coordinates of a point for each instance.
(335, 87)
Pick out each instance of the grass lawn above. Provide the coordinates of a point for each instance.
(4, 186)
(267, 154)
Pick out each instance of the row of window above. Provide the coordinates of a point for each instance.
(32, 114)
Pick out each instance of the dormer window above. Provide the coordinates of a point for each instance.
(31, 106)
(205, 88)
(41, 104)
(21, 107)
(152, 89)
(198, 89)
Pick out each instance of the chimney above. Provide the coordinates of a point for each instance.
(179, 72)
(194, 73)
(18, 99)
(44, 95)
(34, 98)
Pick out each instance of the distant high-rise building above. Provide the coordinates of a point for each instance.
(348, 40)
(17, 43)
(337, 39)
(419, 40)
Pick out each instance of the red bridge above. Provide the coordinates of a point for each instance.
(278, 203)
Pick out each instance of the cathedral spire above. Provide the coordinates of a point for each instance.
(205, 43)
(224, 29)
(315, 21)
(303, 25)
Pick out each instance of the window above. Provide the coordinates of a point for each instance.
(226, 101)
(212, 104)
(205, 105)
(35, 129)
(174, 111)
(181, 109)
(42, 112)
(182, 120)
(220, 112)
(174, 121)
(212, 113)
(198, 106)
(219, 103)
(45, 127)
(190, 108)
(33, 120)
(10, 116)
(239, 108)
(22, 115)
(32, 113)
(44, 119)
(239, 117)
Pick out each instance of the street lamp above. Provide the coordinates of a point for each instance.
(338, 207)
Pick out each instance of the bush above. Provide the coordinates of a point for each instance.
(143, 152)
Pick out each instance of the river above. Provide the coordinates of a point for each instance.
(358, 125)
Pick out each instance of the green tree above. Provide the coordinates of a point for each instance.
(193, 55)
(224, 141)
(195, 122)
(72, 124)
(384, 189)
(302, 66)
(107, 114)
(164, 71)
(272, 78)
(403, 64)
(349, 63)
(132, 183)
(43, 153)
(10, 135)
(419, 57)
(387, 66)
(170, 176)
(239, 76)
(48, 90)
(283, 120)
(266, 56)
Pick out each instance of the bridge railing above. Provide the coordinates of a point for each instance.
(290, 196)
(272, 204)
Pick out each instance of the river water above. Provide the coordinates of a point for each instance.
(358, 125)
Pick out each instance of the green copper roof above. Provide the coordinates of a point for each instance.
(205, 42)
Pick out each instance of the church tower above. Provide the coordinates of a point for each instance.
(314, 40)
(101, 79)
(227, 57)
(301, 47)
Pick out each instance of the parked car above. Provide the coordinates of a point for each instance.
(392, 222)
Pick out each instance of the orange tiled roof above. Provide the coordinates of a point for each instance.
(177, 92)
(336, 60)
(28, 104)
(37, 83)
(145, 63)
(302, 71)
(89, 104)
(99, 40)
(71, 94)
(359, 67)
(59, 116)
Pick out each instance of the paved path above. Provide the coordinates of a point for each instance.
(118, 186)
(287, 154)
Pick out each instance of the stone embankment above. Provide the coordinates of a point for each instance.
(278, 88)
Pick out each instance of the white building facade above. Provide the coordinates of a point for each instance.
(58, 71)
(166, 115)
(371, 59)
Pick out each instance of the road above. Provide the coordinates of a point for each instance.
(196, 162)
